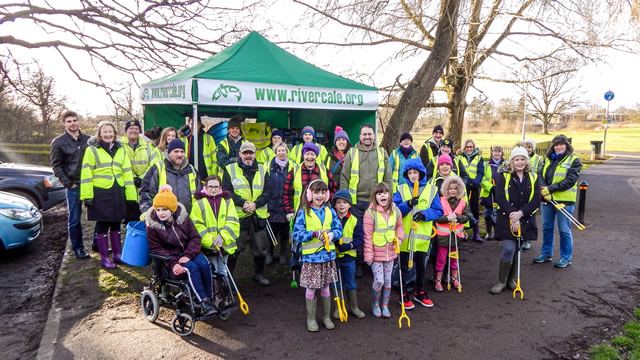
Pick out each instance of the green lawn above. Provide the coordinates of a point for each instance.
(619, 139)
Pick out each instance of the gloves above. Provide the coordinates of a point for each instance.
(88, 203)
(137, 181)
(412, 202)
(419, 216)
(345, 247)
(318, 235)
(546, 194)
(143, 216)
(218, 241)
(288, 217)
(452, 217)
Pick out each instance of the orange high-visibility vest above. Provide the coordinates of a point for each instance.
(444, 229)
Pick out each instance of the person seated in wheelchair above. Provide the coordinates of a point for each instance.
(216, 219)
(171, 233)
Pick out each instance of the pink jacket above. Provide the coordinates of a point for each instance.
(387, 252)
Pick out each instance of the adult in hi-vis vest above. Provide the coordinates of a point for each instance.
(558, 175)
(365, 165)
(174, 170)
(456, 212)
(142, 155)
(431, 146)
(269, 153)
(352, 239)
(229, 147)
(471, 159)
(206, 159)
(457, 168)
(106, 184)
(250, 191)
(337, 154)
(399, 158)
(518, 196)
(418, 211)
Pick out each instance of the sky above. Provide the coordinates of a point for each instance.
(618, 72)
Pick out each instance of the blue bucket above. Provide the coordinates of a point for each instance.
(136, 248)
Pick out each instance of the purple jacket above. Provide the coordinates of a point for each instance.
(176, 237)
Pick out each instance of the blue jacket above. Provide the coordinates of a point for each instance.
(403, 162)
(300, 233)
(433, 212)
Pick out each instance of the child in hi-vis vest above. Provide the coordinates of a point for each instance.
(315, 219)
(456, 213)
(382, 225)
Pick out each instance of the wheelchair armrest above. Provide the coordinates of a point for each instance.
(159, 257)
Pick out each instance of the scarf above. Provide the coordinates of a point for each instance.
(282, 163)
(406, 151)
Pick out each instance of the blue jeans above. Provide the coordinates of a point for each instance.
(74, 205)
(348, 272)
(549, 215)
(200, 276)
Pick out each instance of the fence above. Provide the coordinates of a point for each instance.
(37, 154)
(541, 149)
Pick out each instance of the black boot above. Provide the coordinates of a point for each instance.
(259, 272)
(487, 226)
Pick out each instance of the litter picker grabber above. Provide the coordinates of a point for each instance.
(344, 308)
(294, 283)
(271, 234)
(519, 248)
(341, 312)
(414, 225)
(404, 313)
(243, 305)
(455, 255)
(566, 213)
(449, 260)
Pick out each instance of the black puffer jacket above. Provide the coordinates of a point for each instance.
(66, 157)
(518, 200)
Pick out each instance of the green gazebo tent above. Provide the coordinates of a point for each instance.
(260, 80)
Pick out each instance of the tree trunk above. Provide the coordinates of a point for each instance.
(421, 86)
(458, 105)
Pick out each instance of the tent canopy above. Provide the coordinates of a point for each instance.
(257, 78)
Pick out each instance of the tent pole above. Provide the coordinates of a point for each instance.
(289, 119)
(195, 131)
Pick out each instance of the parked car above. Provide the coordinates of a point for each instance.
(34, 182)
(20, 221)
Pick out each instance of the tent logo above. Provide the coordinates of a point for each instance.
(224, 90)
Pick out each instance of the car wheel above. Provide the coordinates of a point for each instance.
(26, 195)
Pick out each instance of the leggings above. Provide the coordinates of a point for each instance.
(441, 258)
(381, 274)
(311, 293)
(508, 250)
(103, 227)
(420, 262)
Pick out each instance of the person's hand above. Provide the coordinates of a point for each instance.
(452, 217)
(330, 235)
(218, 241)
(546, 194)
(369, 262)
(73, 186)
(183, 260)
(137, 182)
(514, 226)
(249, 207)
(178, 269)
(419, 216)
(143, 216)
(412, 202)
(317, 234)
(515, 216)
(345, 247)
(88, 203)
(289, 216)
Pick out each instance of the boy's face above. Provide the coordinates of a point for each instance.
(342, 206)
(529, 147)
(453, 190)
(413, 175)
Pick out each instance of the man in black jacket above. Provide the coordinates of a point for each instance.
(66, 158)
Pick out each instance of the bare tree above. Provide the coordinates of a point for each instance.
(496, 30)
(548, 88)
(137, 38)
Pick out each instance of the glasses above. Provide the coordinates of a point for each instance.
(210, 187)
(469, 147)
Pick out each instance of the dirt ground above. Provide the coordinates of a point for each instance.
(563, 313)
(27, 279)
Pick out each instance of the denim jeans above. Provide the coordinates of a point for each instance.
(200, 276)
(74, 205)
(549, 215)
(348, 273)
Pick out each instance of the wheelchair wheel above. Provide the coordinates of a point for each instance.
(149, 303)
(224, 316)
(182, 324)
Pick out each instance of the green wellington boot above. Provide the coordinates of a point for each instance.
(312, 325)
(326, 312)
(502, 277)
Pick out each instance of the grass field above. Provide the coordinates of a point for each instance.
(619, 139)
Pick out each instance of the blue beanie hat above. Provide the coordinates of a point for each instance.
(308, 129)
(340, 134)
(277, 133)
(342, 194)
(175, 144)
(310, 147)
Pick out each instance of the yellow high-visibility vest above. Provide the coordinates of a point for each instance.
(559, 174)
(313, 223)
(354, 175)
(226, 224)
(248, 192)
(384, 231)
(143, 157)
(347, 236)
(422, 234)
(100, 170)
(297, 183)
(396, 168)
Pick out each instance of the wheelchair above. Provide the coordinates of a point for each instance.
(171, 291)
